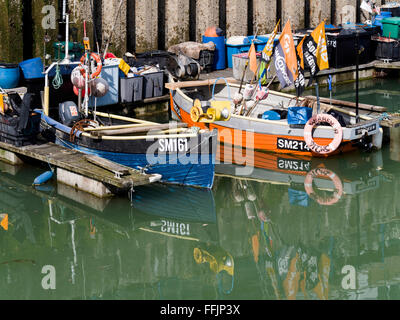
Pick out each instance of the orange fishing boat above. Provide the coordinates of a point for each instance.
(331, 130)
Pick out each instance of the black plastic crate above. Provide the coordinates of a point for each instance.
(206, 60)
(9, 133)
(395, 11)
(342, 52)
(131, 89)
(387, 49)
(153, 84)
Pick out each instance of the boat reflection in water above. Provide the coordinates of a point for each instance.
(266, 236)
(148, 249)
(309, 229)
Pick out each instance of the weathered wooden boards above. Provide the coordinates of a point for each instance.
(76, 162)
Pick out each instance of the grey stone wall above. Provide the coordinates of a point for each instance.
(144, 25)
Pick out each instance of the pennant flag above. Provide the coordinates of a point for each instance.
(266, 55)
(4, 221)
(253, 59)
(285, 58)
(315, 51)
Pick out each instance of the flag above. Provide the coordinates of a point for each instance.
(366, 5)
(315, 51)
(300, 82)
(253, 59)
(4, 221)
(267, 51)
(285, 58)
(266, 55)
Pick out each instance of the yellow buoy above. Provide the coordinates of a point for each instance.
(196, 112)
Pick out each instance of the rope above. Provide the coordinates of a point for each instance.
(58, 80)
(384, 116)
(229, 89)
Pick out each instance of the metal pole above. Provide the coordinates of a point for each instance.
(64, 9)
(66, 37)
(317, 93)
(357, 74)
(86, 105)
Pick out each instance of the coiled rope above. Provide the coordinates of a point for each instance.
(58, 80)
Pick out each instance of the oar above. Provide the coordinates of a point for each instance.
(238, 98)
(244, 73)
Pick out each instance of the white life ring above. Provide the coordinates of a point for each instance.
(338, 133)
(322, 172)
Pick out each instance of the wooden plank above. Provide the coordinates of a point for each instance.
(108, 165)
(117, 117)
(158, 127)
(391, 65)
(363, 106)
(198, 83)
(122, 126)
(75, 161)
(155, 99)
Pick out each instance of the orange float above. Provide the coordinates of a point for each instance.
(97, 58)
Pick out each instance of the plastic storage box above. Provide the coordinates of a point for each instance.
(220, 51)
(387, 49)
(9, 75)
(341, 49)
(378, 19)
(131, 89)
(393, 9)
(239, 64)
(206, 60)
(153, 84)
(232, 49)
(32, 68)
(391, 27)
(10, 134)
(110, 73)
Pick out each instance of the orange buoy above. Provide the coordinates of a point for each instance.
(211, 32)
(76, 91)
(97, 58)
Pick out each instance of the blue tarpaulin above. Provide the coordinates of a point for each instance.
(299, 115)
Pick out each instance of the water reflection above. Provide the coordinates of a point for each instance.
(379, 92)
(295, 229)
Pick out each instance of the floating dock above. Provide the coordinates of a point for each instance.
(88, 173)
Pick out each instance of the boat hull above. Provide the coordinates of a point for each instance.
(188, 161)
(273, 136)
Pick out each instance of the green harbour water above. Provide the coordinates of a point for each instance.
(260, 237)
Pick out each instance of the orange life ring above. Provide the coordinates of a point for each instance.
(314, 121)
(322, 172)
(97, 58)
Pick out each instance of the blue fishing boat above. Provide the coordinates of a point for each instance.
(180, 155)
